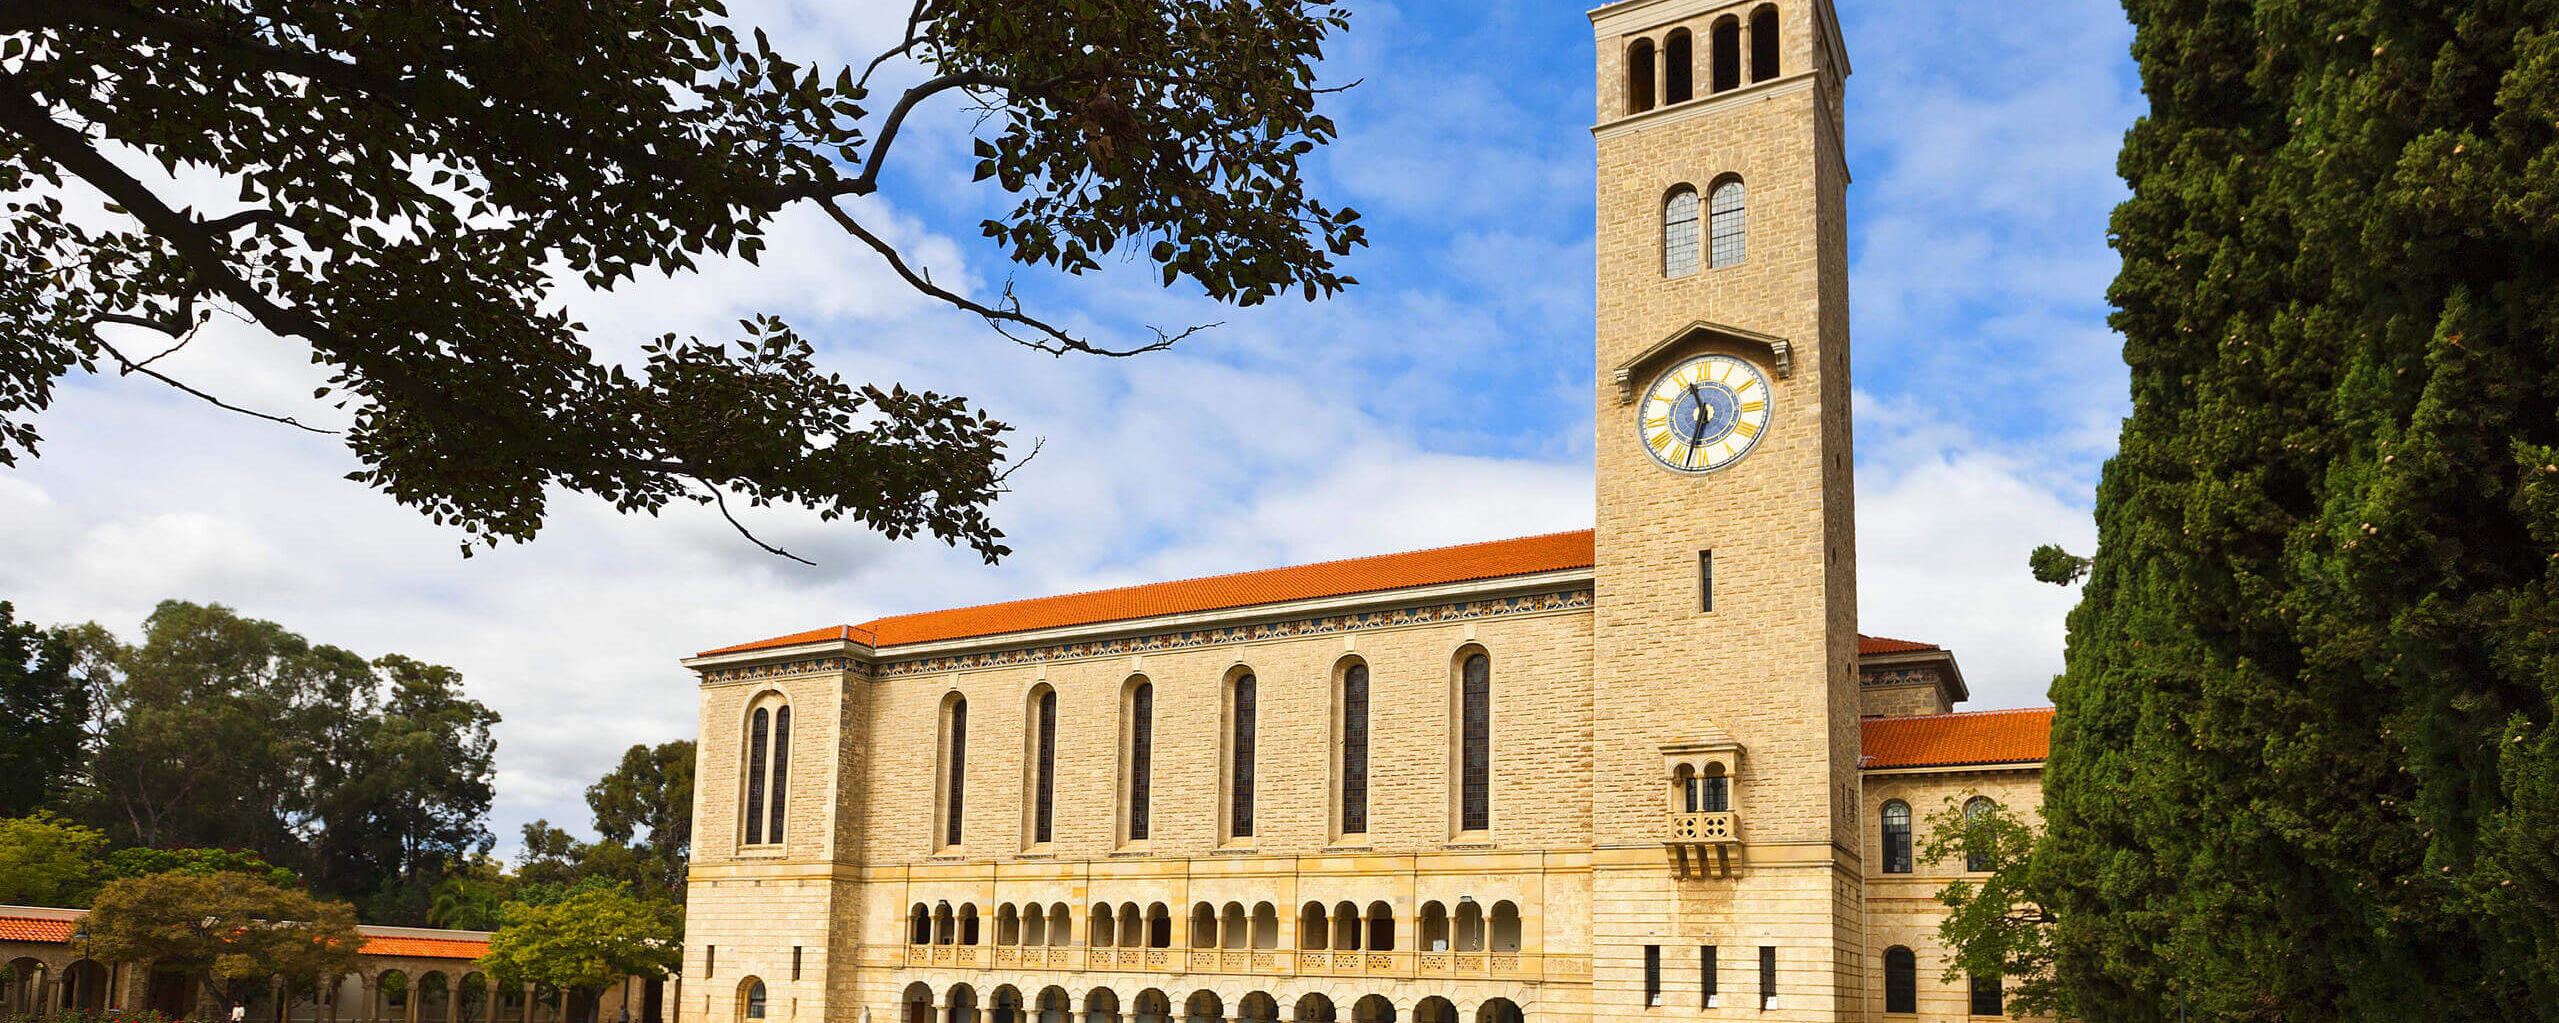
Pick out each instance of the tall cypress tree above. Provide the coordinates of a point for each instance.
(2305, 764)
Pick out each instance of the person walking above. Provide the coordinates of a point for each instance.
(239, 1012)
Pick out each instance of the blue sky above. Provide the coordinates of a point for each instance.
(1443, 400)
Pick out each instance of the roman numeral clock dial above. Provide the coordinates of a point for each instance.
(1704, 414)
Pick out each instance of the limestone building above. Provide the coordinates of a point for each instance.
(1647, 771)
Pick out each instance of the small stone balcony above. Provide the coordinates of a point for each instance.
(1705, 844)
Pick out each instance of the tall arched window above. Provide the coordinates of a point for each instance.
(1763, 43)
(754, 998)
(955, 741)
(1141, 758)
(1726, 41)
(1679, 232)
(767, 768)
(1901, 980)
(1896, 837)
(1724, 223)
(1678, 67)
(1355, 749)
(1977, 853)
(1639, 76)
(1475, 743)
(1042, 743)
(759, 733)
(1239, 776)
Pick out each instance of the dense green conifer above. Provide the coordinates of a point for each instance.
(2305, 765)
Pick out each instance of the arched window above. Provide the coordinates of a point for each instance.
(1132, 926)
(1141, 758)
(1311, 927)
(1763, 43)
(1901, 980)
(955, 741)
(1724, 223)
(1035, 925)
(1381, 927)
(1100, 932)
(1977, 846)
(1896, 837)
(968, 923)
(1987, 998)
(1727, 43)
(1475, 743)
(1159, 926)
(1470, 925)
(919, 925)
(1061, 927)
(1346, 927)
(1678, 67)
(754, 998)
(759, 733)
(1506, 929)
(768, 769)
(1042, 742)
(1708, 793)
(1355, 749)
(1239, 778)
(1679, 232)
(1203, 926)
(1434, 927)
(1639, 76)
(1008, 925)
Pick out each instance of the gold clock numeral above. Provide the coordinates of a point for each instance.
(1746, 428)
(1661, 444)
(1754, 406)
(1746, 386)
(1657, 421)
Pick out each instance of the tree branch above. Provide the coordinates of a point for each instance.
(914, 21)
(1043, 336)
(144, 368)
(720, 498)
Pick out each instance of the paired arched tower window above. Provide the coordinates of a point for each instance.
(1474, 741)
(768, 769)
(1901, 980)
(1667, 72)
(1896, 821)
(1726, 228)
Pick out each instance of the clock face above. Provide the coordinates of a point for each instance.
(1703, 414)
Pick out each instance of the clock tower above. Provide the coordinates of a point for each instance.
(1725, 623)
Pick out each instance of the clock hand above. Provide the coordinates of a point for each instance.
(1697, 432)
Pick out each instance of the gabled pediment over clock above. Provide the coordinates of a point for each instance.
(1777, 352)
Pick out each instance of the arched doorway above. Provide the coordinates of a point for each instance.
(1435, 1010)
(390, 996)
(21, 986)
(1373, 1009)
(1314, 1008)
(1257, 1007)
(1102, 1005)
(959, 1004)
(84, 987)
(1498, 1010)
(1006, 1004)
(1054, 1007)
(919, 1003)
(1151, 1006)
(1203, 1007)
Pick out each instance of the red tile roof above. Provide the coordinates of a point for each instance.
(1953, 740)
(1500, 558)
(1463, 563)
(1881, 645)
(34, 928)
(424, 948)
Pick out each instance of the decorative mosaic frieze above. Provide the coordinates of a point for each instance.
(1900, 676)
(1457, 611)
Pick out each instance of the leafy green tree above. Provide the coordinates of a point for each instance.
(472, 896)
(2305, 764)
(48, 861)
(1993, 926)
(414, 181)
(47, 709)
(645, 805)
(585, 943)
(229, 930)
(140, 862)
(414, 796)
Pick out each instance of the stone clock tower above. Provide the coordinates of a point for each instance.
(1725, 623)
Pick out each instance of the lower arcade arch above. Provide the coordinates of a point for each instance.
(1007, 1003)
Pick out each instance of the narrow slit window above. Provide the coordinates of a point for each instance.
(795, 962)
(1705, 580)
(758, 731)
(1706, 976)
(1141, 758)
(1767, 976)
(1240, 803)
(1355, 750)
(1652, 975)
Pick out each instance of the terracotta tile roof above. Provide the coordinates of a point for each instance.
(424, 948)
(1494, 560)
(34, 928)
(1881, 645)
(1952, 740)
